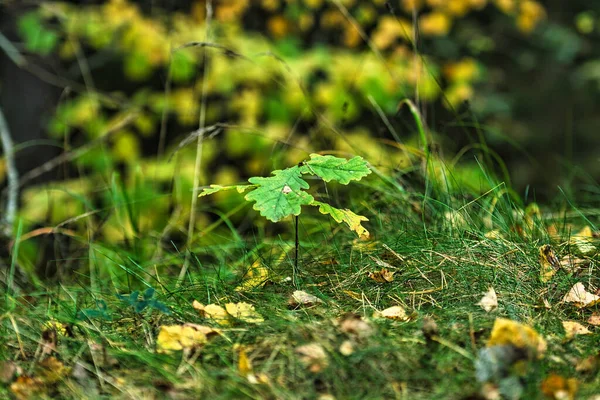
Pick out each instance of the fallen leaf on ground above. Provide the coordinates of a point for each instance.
(51, 370)
(244, 364)
(26, 387)
(183, 337)
(549, 263)
(559, 388)
(582, 242)
(494, 235)
(396, 313)
(489, 302)
(573, 264)
(573, 328)
(8, 370)
(594, 319)
(580, 297)
(212, 311)
(429, 328)
(383, 276)
(256, 277)
(354, 325)
(508, 332)
(346, 348)
(301, 298)
(583, 246)
(245, 367)
(588, 364)
(313, 356)
(244, 312)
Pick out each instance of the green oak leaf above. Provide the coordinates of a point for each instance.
(331, 168)
(344, 215)
(280, 195)
(219, 188)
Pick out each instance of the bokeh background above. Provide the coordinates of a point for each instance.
(516, 81)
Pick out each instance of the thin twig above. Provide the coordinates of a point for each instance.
(13, 177)
(199, 147)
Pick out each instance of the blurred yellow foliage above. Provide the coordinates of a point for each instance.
(530, 14)
(465, 70)
(435, 24)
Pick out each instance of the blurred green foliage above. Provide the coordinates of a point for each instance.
(288, 78)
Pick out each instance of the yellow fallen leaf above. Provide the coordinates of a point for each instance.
(494, 235)
(396, 313)
(212, 311)
(313, 356)
(573, 328)
(559, 388)
(383, 276)
(245, 367)
(256, 277)
(25, 387)
(585, 232)
(489, 302)
(508, 332)
(548, 262)
(580, 297)
(301, 298)
(244, 364)
(244, 312)
(180, 337)
(583, 246)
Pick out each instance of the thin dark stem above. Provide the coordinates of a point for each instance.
(297, 248)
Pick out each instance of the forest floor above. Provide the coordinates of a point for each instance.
(418, 311)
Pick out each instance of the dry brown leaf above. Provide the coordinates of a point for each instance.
(589, 364)
(244, 312)
(559, 388)
(489, 302)
(594, 319)
(383, 276)
(429, 328)
(354, 325)
(573, 264)
(548, 262)
(573, 328)
(313, 356)
(301, 298)
(8, 370)
(508, 332)
(396, 313)
(580, 297)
